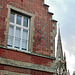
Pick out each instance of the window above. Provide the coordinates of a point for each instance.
(18, 32)
(19, 29)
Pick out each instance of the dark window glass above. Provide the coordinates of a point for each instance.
(12, 18)
(25, 22)
(18, 21)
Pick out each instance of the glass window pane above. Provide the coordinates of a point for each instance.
(18, 20)
(24, 45)
(25, 22)
(11, 30)
(18, 32)
(10, 41)
(17, 43)
(25, 34)
(12, 18)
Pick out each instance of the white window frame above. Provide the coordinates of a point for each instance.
(31, 17)
(20, 26)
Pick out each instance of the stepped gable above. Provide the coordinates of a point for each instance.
(51, 13)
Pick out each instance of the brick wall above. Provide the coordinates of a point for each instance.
(19, 56)
(42, 23)
(43, 34)
(22, 71)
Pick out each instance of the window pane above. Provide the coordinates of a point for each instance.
(12, 18)
(17, 37)
(18, 32)
(18, 20)
(17, 43)
(11, 30)
(25, 34)
(24, 39)
(24, 44)
(10, 41)
(25, 22)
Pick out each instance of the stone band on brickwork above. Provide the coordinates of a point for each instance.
(26, 65)
(4, 72)
(48, 57)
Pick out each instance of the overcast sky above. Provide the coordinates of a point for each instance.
(64, 13)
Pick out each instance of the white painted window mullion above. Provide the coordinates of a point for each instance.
(21, 33)
(28, 35)
(14, 31)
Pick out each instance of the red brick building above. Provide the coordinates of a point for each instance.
(27, 38)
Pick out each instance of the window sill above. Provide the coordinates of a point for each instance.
(19, 50)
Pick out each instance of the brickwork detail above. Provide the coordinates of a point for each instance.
(43, 34)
